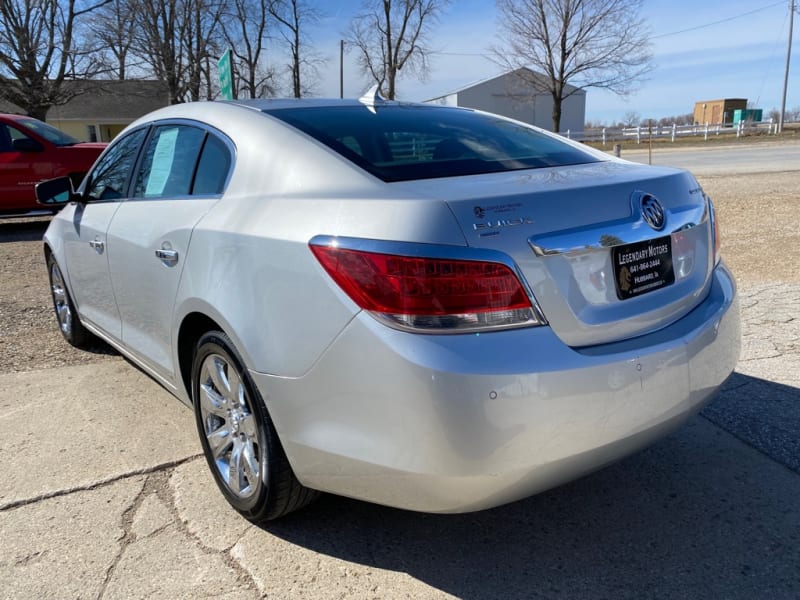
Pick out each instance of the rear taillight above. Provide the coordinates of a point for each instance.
(432, 294)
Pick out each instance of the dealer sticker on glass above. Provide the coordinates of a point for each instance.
(642, 267)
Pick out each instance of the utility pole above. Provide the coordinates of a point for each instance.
(786, 74)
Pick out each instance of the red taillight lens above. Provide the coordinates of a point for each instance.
(429, 293)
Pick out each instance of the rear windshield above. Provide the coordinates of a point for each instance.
(406, 142)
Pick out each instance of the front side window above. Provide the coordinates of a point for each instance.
(5, 138)
(109, 178)
(406, 142)
(17, 134)
(18, 140)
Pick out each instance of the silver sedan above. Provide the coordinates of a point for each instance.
(425, 307)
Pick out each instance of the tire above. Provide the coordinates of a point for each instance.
(68, 321)
(236, 431)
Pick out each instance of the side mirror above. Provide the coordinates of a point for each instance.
(56, 191)
(26, 145)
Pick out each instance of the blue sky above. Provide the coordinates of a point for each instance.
(696, 56)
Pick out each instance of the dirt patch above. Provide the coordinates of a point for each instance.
(29, 335)
(758, 219)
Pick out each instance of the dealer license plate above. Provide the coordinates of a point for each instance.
(642, 267)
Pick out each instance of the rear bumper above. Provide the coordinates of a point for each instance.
(466, 422)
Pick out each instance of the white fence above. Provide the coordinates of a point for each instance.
(673, 132)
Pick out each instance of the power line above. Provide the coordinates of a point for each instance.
(660, 35)
(769, 71)
(725, 20)
(484, 54)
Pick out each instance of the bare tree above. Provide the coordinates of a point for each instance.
(112, 33)
(293, 17)
(176, 38)
(631, 118)
(38, 52)
(391, 35)
(574, 44)
(160, 29)
(246, 25)
(202, 38)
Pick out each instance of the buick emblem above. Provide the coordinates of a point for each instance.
(653, 212)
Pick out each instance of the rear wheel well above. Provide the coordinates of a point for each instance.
(194, 326)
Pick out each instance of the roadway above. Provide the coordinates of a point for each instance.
(764, 157)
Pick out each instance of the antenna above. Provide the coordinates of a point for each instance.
(372, 98)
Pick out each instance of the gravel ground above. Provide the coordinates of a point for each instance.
(29, 335)
(757, 213)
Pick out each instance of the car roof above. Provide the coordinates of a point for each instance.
(271, 104)
(205, 110)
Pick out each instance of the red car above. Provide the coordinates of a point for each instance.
(32, 151)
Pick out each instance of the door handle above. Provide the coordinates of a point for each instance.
(98, 245)
(168, 256)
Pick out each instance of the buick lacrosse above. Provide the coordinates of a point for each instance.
(421, 306)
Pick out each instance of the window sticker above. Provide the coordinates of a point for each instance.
(162, 162)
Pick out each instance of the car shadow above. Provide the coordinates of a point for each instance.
(99, 346)
(698, 515)
(23, 230)
(761, 413)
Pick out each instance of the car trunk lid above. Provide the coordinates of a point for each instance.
(589, 243)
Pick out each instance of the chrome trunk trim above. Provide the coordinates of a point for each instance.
(629, 230)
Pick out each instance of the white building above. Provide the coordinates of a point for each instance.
(516, 95)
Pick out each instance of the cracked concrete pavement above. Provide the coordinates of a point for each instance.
(104, 495)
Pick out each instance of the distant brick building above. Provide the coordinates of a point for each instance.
(717, 112)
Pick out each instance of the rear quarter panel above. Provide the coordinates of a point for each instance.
(249, 265)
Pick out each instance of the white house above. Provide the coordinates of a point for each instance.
(516, 95)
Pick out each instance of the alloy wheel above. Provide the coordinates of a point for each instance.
(60, 300)
(229, 425)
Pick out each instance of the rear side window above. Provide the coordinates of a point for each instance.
(212, 171)
(406, 142)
